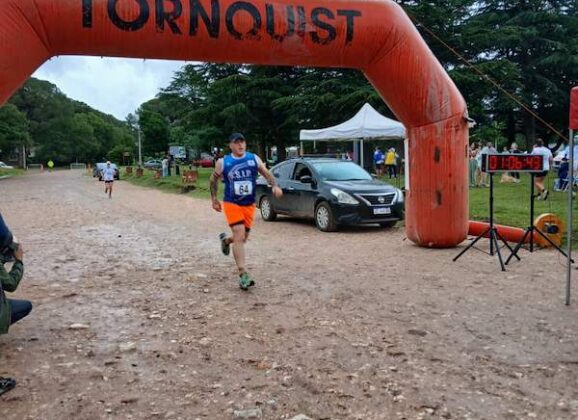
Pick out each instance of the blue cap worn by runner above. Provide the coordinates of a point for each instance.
(236, 136)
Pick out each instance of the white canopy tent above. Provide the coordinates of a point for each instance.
(367, 124)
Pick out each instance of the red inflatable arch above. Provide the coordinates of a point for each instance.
(373, 36)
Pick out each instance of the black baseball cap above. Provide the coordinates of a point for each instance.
(236, 136)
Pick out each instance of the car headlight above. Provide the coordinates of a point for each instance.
(343, 197)
(400, 196)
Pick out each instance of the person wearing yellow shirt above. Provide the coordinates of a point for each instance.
(391, 162)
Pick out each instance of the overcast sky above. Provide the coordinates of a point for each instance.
(116, 86)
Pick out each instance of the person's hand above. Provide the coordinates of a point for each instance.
(19, 253)
(217, 205)
(277, 192)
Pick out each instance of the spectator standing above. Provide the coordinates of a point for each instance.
(514, 149)
(563, 175)
(165, 166)
(391, 162)
(474, 151)
(540, 149)
(378, 160)
(488, 149)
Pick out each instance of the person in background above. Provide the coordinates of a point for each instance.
(391, 162)
(378, 160)
(540, 149)
(474, 150)
(479, 164)
(562, 175)
(486, 150)
(108, 177)
(165, 166)
(514, 149)
(11, 310)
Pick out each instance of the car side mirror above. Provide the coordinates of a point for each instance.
(306, 179)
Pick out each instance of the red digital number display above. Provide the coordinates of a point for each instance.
(513, 163)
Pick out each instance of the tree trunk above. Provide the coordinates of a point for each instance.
(281, 153)
(511, 128)
(529, 130)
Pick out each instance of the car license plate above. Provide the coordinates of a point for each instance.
(382, 210)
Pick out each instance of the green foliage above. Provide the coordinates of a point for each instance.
(54, 127)
(529, 48)
(154, 127)
(13, 130)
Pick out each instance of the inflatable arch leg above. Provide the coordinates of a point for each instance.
(374, 37)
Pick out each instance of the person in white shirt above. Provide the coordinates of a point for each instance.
(108, 177)
(540, 149)
(165, 166)
(488, 149)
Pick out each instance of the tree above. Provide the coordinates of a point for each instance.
(13, 130)
(530, 48)
(154, 128)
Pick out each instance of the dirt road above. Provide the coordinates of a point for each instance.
(137, 315)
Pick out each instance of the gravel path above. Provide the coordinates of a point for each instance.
(137, 315)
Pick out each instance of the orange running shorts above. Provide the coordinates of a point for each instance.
(236, 214)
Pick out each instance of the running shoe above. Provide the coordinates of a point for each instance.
(225, 246)
(245, 281)
(545, 194)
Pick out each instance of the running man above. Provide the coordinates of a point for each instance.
(239, 172)
(108, 176)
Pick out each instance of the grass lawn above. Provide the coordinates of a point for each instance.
(171, 183)
(11, 172)
(511, 201)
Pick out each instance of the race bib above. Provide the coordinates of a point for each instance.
(243, 188)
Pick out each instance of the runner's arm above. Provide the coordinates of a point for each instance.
(214, 180)
(265, 172)
(277, 192)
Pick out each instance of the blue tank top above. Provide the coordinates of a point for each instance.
(240, 176)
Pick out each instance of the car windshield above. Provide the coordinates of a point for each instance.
(340, 171)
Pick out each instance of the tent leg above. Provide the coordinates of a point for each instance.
(361, 153)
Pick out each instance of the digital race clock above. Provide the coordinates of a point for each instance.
(511, 162)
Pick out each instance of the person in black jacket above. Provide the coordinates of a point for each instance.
(11, 310)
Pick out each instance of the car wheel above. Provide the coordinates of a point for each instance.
(267, 212)
(389, 224)
(324, 218)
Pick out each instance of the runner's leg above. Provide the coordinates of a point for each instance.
(239, 246)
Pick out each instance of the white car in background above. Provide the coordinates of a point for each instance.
(4, 166)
